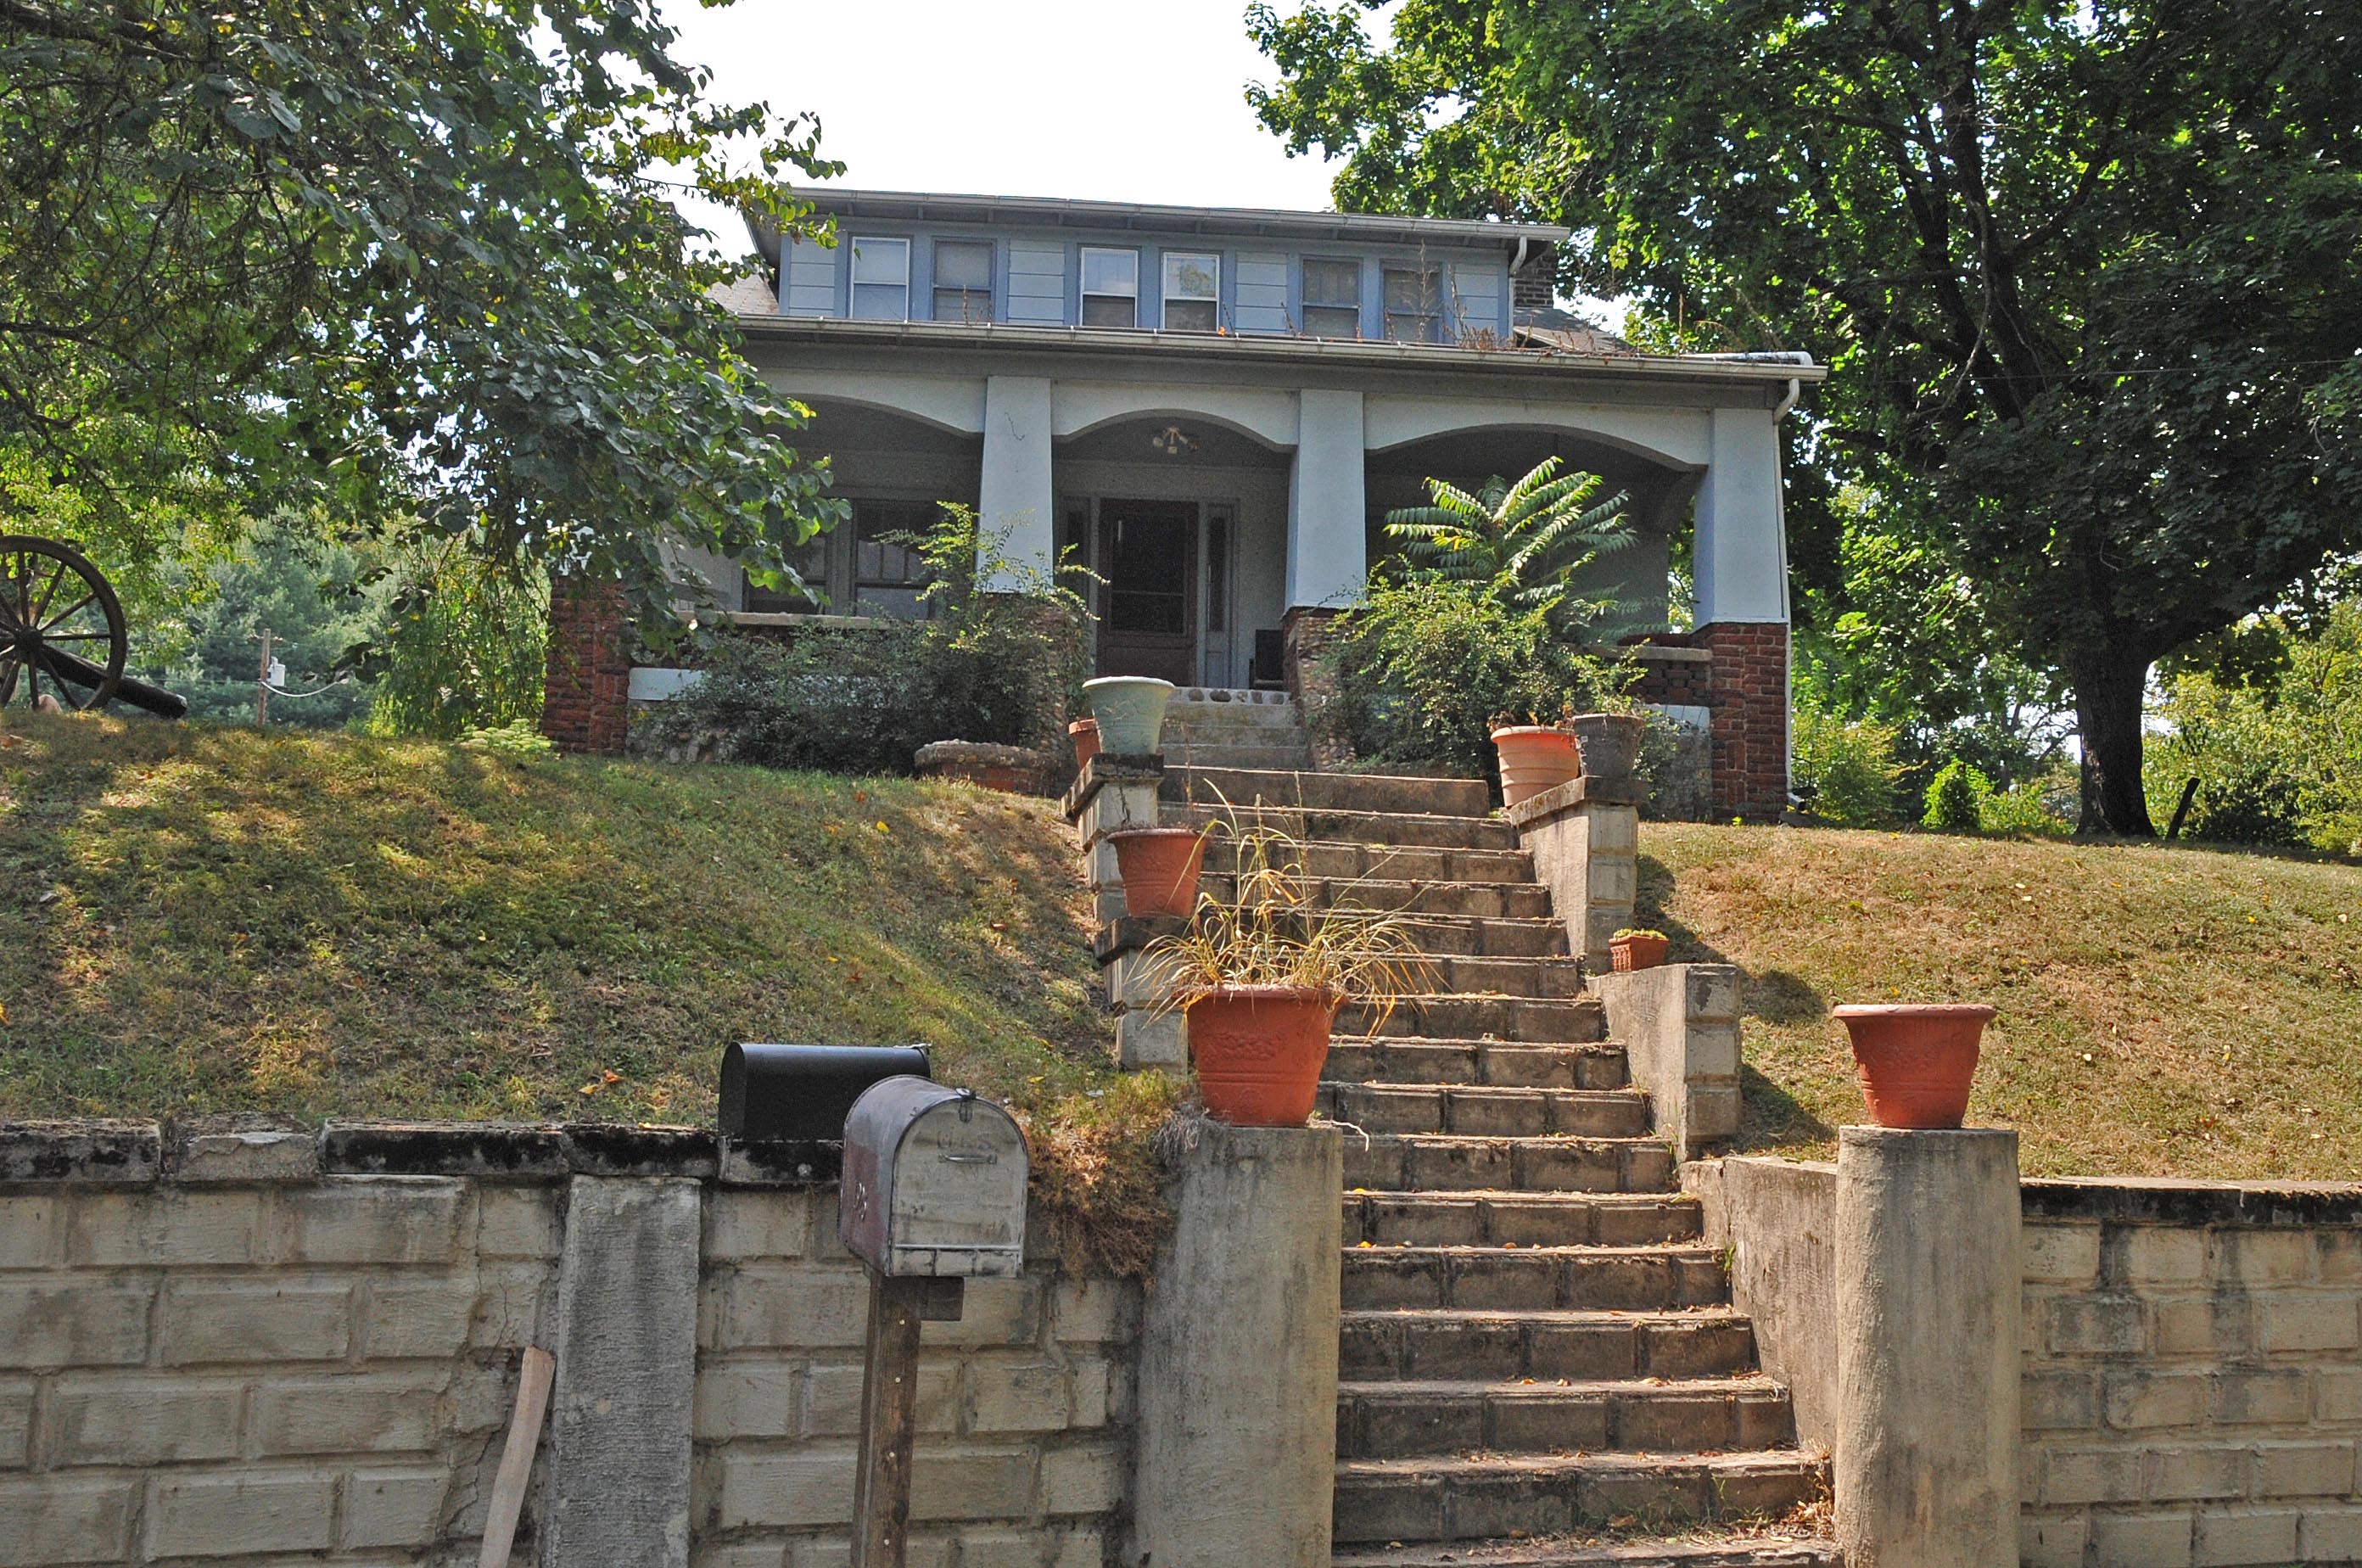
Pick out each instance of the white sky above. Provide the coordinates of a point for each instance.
(1111, 99)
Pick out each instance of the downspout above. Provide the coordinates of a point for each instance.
(1518, 262)
(1787, 608)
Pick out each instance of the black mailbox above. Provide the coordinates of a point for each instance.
(788, 1094)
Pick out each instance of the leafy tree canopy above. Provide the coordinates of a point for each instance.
(392, 260)
(2085, 276)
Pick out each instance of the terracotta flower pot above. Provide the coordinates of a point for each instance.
(1627, 953)
(1085, 733)
(1160, 869)
(1534, 757)
(1916, 1060)
(1258, 1051)
(1609, 744)
(1131, 711)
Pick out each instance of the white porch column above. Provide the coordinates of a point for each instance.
(1017, 493)
(1742, 532)
(1328, 554)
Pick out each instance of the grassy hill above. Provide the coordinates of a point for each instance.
(2163, 1012)
(216, 918)
(198, 919)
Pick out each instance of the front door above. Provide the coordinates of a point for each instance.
(1148, 623)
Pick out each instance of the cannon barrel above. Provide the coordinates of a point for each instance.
(137, 693)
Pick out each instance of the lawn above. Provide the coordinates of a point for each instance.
(212, 917)
(2163, 1011)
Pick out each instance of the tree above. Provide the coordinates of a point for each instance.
(2084, 276)
(396, 260)
(1529, 542)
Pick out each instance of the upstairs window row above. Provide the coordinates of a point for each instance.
(1192, 289)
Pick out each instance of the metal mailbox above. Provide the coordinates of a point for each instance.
(934, 1184)
(777, 1094)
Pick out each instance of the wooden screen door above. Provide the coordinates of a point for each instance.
(1148, 625)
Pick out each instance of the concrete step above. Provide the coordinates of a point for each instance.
(1405, 1162)
(1478, 1499)
(1599, 1065)
(1403, 1419)
(1183, 751)
(1480, 937)
(1332, 791)
(1482, 900)
(1487, 1113)
(1333, 859)
(1616, 1550)
(1523, 1021)
(1451, 974)
(1584, 1346)
(1483, 1218)
(1658, 1279)
(1399, 829)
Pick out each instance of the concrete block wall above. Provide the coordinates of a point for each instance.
(261, 1348)
(1025, 1404)
(2191, 1354)
(2193, 1374)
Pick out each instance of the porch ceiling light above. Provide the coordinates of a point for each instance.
(1172, 441)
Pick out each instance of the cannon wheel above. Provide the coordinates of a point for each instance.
(56, 607)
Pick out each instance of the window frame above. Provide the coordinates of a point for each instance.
(1166, 298)
(936, 288)
(1432, 290)
(855, 282)
(1308, 305)
(1085, 293)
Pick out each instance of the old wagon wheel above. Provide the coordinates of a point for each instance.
(60, 627)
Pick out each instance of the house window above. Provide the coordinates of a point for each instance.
(1110, 287)
(1193, 291)
(1332, 298)
(881, 280)
(810, 560)
(1414, 304)
(964, 281)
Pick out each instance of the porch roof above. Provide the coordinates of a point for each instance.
(1526, 361)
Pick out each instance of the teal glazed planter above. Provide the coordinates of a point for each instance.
(1131, 711)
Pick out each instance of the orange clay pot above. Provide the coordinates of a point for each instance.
(1085, 733)
(1625, 953)
(1258, 1051)
(1534, 757)
(1159, 867)
(1916, 1060)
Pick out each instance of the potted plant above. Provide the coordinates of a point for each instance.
(1259, 981)
(1916, 1060)
(1085, 733)
(1131, 711)
(1535, 756)
(1609, 743)
(1637, 947)
(1159, 867)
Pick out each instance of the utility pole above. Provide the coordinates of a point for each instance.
(262, 681)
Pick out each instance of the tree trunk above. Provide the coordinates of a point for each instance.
(2110, 686)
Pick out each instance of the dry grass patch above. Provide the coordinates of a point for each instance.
(2163, 1012)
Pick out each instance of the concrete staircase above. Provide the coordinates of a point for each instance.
(1539, 1365)
(1211, 727)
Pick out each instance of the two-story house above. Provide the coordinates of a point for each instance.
(1214, 408)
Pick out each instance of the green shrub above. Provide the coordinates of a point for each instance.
(1956, 799)
(1845, 768)
(465, 648)
(1425, 665)
(1002, 667)
(2038, 806)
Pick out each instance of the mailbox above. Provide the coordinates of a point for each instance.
(780, 1094)
(934, 1184)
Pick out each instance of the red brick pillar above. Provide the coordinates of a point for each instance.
(586, 683)
(1307, 630)
(1749, 694)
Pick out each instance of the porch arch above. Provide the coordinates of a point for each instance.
(1267, 418)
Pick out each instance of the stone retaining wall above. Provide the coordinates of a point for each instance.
(2192, 1355)
(254, 1345)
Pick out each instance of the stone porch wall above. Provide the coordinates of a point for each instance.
(260, 1347)
(2191, 1353)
